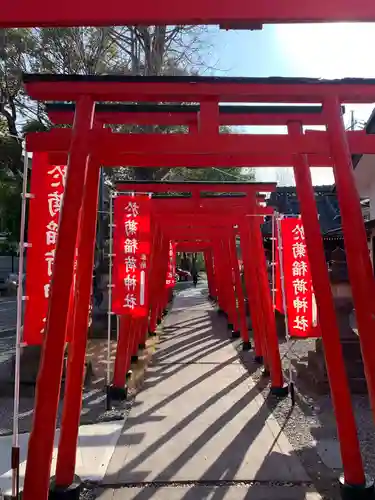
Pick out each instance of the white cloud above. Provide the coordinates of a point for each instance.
(285, 177)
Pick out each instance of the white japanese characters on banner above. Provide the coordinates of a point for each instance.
(47, 188)
(300, 299)
(131, 244)
(170, 282)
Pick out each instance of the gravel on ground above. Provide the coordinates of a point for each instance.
(312, 419)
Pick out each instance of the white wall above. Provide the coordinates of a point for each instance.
(371, 195)
(369, 244)
(364, 174)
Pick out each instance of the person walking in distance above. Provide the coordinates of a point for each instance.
(195, 277)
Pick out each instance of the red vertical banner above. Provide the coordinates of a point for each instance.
(131, 261)
(300, 300)
(47, 190)
(170, 281)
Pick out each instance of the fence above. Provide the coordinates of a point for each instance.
(9, 264)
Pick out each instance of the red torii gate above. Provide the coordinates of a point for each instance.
(335, 144)
(182, 221)
(185, 245)
(242, 14)
(117, 390)
(210, 205)
(261, 310)
(189, 115)
(204, 246)
(197, 188)
(205, 223)
(224, 234)
(236, 14)
(201, 246)
(251, 190)
(234, 89)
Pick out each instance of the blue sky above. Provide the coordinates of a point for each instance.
(322, 51)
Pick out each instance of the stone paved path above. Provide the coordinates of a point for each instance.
(200, 429)
(8, 314)
(8, 319)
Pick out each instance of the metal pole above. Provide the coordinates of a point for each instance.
(273, 262)
(109, 318)
(20, 298)
(246, 346)
(283, 295)
(252, 291)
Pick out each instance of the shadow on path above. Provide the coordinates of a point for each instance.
(203, 341)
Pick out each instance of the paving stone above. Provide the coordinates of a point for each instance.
(257, 492)
(329, 452)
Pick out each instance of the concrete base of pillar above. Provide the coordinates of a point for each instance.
(118, 393)
(71, 492)
(363, 492)
(246, 346)
(280, 392)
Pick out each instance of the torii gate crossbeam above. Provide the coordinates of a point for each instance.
(227, 13)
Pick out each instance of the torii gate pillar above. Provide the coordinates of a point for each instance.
(37, 475)
(346, 426)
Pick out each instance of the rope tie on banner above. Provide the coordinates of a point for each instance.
(278, 218)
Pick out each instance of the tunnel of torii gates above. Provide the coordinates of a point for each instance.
(89, 145)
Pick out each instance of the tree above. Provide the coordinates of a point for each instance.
(10, 183)
(212, 174)
(138, 50)
(154, 50)
(92, 51)
(164, 50)
(179, 174)
(10, 196)
(17, 48)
